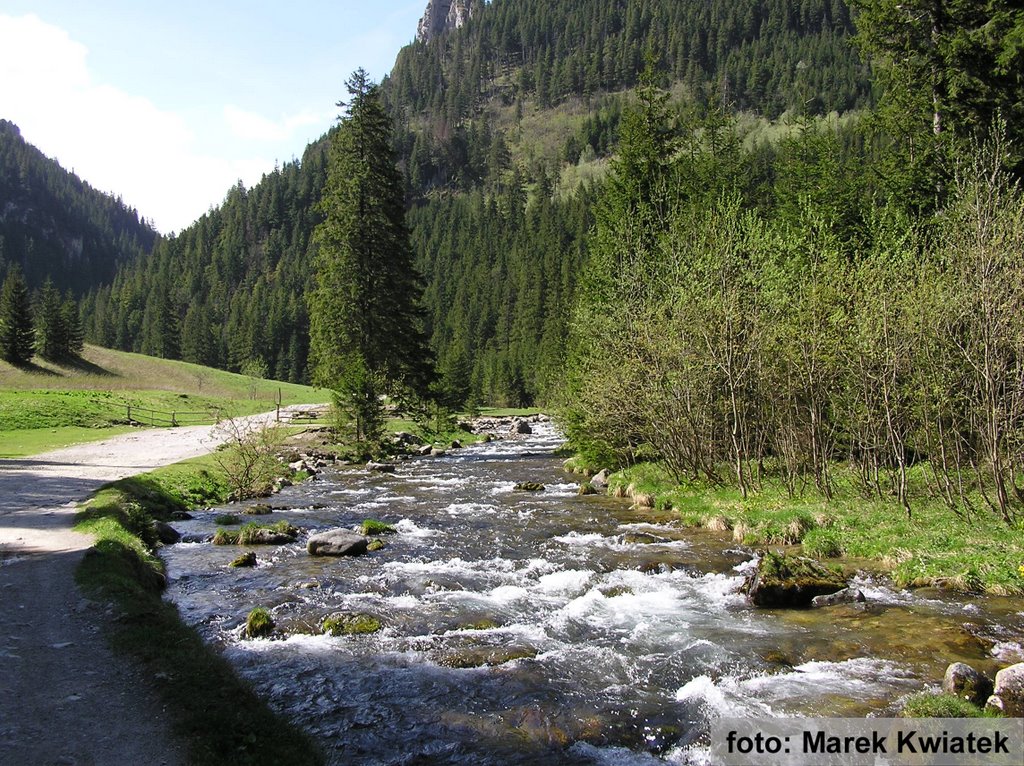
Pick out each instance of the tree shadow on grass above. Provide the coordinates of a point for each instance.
(80, 365)
(35, 369)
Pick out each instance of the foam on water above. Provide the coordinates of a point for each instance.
(412, 529)
(470, 509)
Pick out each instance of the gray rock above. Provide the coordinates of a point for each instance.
(165, 533)
(1010, 689)
(586, 488)
(381, 467)
(336, 542)
(456, 444)
(438, 452)
(844, 596)
(599, 480)
(521, 427)
(995, 705)
(425, 450)
(967, 683)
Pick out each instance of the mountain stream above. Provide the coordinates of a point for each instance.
(546, 627)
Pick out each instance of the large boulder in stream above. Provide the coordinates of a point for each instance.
(790, 581)
(1009, 690)
(961, 680)
(337, 542)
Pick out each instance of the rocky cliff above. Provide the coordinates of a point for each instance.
(441, 16)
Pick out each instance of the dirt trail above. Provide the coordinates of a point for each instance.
(64, 698)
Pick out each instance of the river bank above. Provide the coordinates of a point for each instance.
(934, 547)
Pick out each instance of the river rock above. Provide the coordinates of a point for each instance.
(165, 533)
(424, 450)
(381, 467)
(844, 596)
(586, 488)
(995, 706)
(599, 480)
(456, 444)
(528, 486)
(336, 542)
(790, 581)
(438, 452)
(1010, 689)
(521, 427)
(967, 683)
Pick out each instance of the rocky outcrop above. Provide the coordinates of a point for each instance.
(336, 542)
(790, 581)
(442, 16)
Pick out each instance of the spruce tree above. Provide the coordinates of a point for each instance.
(17, 335)
(365, 321)
(51, 333)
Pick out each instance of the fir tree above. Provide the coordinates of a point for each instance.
(17, 336)
(51, 334)
(365, 318)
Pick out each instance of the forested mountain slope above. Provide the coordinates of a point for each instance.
(504, 127)
(55, 225)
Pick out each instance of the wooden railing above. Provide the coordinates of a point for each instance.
(151, 417)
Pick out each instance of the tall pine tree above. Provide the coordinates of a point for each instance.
(365, 319)
(17, 336)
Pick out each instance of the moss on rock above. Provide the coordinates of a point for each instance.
(259, 623)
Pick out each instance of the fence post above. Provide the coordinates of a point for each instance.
(129, 413)
(174, 419)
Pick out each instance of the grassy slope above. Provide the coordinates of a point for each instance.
(49, 406)
(975, 552)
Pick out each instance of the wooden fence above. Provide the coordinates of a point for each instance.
(151, 417)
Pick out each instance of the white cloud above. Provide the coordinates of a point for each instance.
(120, 142)
(255, 127)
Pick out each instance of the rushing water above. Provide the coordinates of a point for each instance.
(547, 628)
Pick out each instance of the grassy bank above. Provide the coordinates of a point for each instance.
(47, 406)
(216, 713)
(935, 547)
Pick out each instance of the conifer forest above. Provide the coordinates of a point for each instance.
(747, 238)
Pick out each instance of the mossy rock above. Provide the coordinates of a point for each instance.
(375, 527)
(345, 624)
(479, 625)
(528, 486)
(376, 545)
(791, 581)
(226, 519)
(245, 560)
(280, 533)
(586, 488)
(259, 623)
(259, 509)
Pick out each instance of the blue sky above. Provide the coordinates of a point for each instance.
(167, 105)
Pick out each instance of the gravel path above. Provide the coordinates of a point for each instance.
(64, 698)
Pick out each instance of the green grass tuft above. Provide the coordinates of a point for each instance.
(935, 705)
